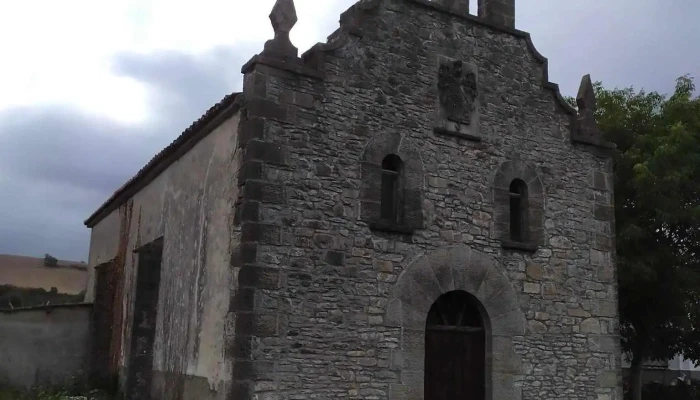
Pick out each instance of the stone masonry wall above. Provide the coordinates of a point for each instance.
(314, 282)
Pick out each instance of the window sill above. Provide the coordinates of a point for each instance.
(453, 133)
(391, 227)
(519, 246)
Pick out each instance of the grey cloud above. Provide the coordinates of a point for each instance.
(640, 43)
(57, 144)
(58, 164)
(182, 86)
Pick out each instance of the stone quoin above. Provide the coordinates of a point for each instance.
(408, 211)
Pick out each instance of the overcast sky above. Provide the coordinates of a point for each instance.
(90, 90)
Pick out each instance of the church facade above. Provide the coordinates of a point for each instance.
(408, 211)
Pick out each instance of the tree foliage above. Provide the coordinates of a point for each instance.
(15, 297)
(657, 211)
(50, 261)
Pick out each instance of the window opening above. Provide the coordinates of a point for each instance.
(392, 190)
(518, 210)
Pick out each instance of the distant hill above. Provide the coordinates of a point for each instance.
(68, 277)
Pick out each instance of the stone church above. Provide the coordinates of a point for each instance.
(408, 211)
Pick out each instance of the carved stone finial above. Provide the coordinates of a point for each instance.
(283, 17)
(586, 95)
(586, 130)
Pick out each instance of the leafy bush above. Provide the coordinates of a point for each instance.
(23, 297)
(50, 261)
(658, 391)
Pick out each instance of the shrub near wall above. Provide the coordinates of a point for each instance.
(15, 297)
(657, 391)
(72, 393)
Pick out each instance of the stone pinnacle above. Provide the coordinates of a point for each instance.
(283, 16)
(586, 95)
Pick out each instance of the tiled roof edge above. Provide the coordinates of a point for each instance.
(187, 139)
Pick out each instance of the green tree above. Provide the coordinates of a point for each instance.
(50, 261)
(657, 211)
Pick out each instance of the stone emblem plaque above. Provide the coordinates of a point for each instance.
(458, 99)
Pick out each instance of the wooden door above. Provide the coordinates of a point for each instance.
(455, 354)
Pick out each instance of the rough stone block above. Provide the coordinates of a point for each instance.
(241, 348)
(243, 300)
(421, 273)
(250, 170)
(273, 153)
(334, 257)
(604, 308)
(601, 181)
(413, 359)
(264, 191)
(253, 324)
(534, 271)
(240, 389)
(604, 212)
(532, 288)
(370, 211)
(244, 254)
(590, 325)
(247, 211)
(410, 391)
(268, 109)
(300, 99)
(255, 85)
(252, 370)
(498, 12)
(250, 129)
(609, 379)
(503, 357)
(458, 6)
(503, 387)
(261, 233)
(510, 324)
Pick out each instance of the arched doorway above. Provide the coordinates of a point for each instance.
(455, 348)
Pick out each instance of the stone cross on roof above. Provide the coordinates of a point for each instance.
(283, 18)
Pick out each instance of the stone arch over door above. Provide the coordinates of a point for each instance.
(425, 280)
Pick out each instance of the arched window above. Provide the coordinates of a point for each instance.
(518, 211)
(392, 189)
(455, 349)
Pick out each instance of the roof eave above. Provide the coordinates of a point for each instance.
(198, 130)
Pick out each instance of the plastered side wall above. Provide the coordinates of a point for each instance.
(190, 204)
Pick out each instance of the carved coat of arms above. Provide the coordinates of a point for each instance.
(457, 91)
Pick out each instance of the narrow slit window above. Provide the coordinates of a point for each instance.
(391, 202)
(518, 211)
